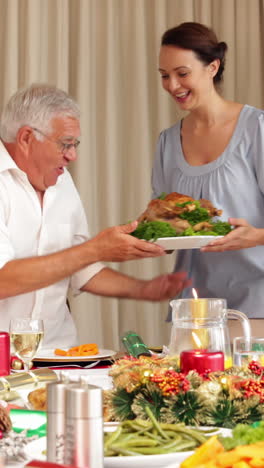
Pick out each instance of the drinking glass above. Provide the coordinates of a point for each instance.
(246, 351)
(26, 335)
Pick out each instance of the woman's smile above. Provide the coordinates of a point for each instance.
(182, 97)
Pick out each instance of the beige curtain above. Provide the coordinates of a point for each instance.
(104, 52)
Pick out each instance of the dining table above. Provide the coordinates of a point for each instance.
(95, 373)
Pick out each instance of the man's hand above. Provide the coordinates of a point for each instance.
(115, 244)
(242, 237)
(163, 287)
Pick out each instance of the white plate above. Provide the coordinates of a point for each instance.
(146, 461)
(174, 465)
(157, 461)
(49, 356)
(191, 242)
(36, 448)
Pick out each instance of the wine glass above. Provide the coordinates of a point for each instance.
(26, 335)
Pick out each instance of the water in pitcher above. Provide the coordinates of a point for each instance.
(202, 324)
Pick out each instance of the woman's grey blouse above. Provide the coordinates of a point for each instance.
(234, 182)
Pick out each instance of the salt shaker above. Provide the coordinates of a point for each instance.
(56, 406)
(84, 426)
(4, 353)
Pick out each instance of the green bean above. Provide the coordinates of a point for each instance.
(184, 445)
(109, 453)
(143, 423)
(150, 450)
(141, 430)
(140, 437)
(154, 436)
(174, 442)
(128, 423)
(172, 434)
(140, 442)
(126, 436)
(113, 436)
(134, 433)
(197, 436)
(122, 451)
(155, 423)
(186, 437)
(139, 427)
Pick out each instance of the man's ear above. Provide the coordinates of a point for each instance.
(24, 137)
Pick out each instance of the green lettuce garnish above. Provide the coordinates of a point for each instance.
(244, 434)
(152, 230)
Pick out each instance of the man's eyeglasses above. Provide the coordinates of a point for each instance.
(64, 147)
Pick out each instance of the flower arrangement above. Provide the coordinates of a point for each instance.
(221, 399)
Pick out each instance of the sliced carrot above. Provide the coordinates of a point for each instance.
(60, 352)
(74, 349)
(87, 349)
(73, 353)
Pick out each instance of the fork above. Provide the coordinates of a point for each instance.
(93, 364)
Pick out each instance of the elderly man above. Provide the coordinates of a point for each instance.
(44, 241)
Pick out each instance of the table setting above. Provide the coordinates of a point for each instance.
(136, 408)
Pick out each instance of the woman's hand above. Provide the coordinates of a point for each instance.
(243, 236)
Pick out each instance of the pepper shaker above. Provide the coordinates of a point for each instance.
(84, 426)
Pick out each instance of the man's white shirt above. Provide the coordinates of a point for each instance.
(29, 230)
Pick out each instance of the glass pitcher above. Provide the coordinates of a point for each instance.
(202, 324)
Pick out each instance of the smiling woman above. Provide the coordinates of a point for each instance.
(217, 146)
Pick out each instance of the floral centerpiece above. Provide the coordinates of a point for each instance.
(221, 399)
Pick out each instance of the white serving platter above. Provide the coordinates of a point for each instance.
(191, 242)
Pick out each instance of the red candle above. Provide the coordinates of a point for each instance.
(201, 360)
(4, 353)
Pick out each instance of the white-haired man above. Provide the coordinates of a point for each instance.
(44, 242)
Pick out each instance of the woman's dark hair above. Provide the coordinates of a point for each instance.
(201, 40)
